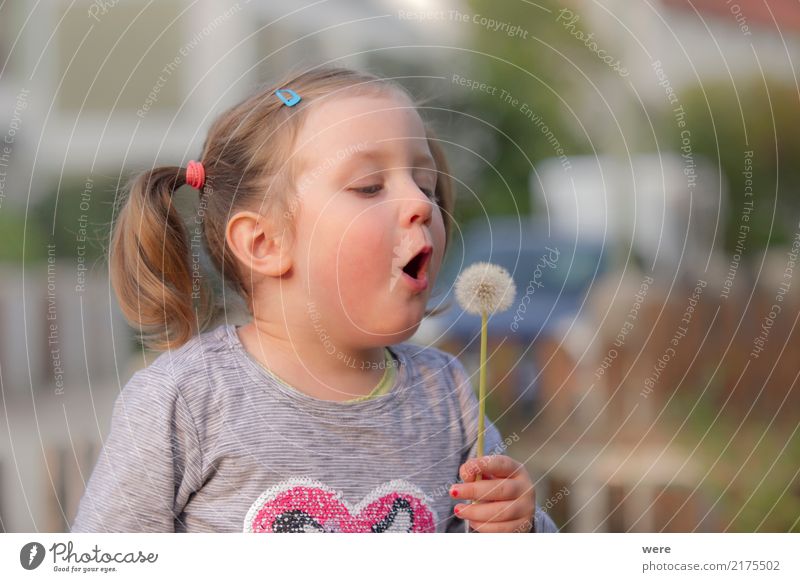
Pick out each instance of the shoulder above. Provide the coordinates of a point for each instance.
(210, 349)
(179, 391)
(177, 372)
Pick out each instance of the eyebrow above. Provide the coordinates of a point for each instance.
(420, 159)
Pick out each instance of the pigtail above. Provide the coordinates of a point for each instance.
(153, 278)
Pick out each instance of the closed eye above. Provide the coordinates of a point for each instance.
(375, 188)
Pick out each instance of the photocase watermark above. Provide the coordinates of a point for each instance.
(31, 555)
(309, 177)
(523, 107)
(321, 332)
(490, 24)
(422, 15)
(100, 8)
(480, 464)
(548, 260)
(510, 30)
(331, 350)
(627, 327)
(551, 502)
(84, 203)
(172, 66)
(554, 499)
(663, 81)
(474, 85)
(196, 239)
(7, 147)
(687, 155)
(568, 19)
(545, 130)
(760, 341)
(96, 560)
(56, 365)
(741, 20)
(680, 333)
(743, 228)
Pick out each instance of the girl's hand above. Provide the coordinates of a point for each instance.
(504, 499)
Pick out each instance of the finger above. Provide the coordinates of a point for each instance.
(469, 471)
(514, 526)
(497, 465)
(493, 511)
(490, 490)
(500, 465)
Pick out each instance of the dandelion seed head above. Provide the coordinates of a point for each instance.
(485, 287)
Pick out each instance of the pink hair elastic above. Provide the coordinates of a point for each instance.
(195, 174)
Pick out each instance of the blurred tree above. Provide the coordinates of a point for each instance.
(760, 116)
(527, 66)
(15, 233)
(79, 210)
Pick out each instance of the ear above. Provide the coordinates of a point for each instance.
(258, 244)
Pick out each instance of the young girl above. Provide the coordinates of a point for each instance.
(325, 202)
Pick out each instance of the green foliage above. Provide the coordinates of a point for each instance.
(725, 121)
(79, 210)
(531, 71)
(14, 233)
(752, 465)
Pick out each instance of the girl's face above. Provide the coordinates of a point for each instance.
(370, 235)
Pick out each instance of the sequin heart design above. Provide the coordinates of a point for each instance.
(308, 506)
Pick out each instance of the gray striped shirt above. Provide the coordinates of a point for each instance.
(207, 440)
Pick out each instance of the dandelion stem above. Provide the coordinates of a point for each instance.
(482, 386)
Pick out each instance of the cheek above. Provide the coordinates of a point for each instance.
(349, 250)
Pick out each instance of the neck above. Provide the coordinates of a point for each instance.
(315, 364)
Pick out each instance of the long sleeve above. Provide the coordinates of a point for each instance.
(149, 464)
(493, 443)
(543, 523)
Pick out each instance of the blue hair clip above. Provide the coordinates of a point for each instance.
(292, 99)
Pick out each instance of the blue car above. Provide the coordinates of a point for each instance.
(552, 276)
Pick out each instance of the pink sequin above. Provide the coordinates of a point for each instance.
(304, 505)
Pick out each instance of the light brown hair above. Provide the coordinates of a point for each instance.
(247, 163)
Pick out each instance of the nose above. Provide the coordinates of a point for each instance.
(418, 208)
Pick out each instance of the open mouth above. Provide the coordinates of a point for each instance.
(418, 265)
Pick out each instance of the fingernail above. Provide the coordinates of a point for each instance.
(457, 509)
(454, 492)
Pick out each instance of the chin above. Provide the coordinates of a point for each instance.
(406, 334)
(396, 332)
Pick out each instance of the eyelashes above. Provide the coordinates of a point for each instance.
(370, 190)
(373, 190)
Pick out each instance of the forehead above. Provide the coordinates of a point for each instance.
(338, 129)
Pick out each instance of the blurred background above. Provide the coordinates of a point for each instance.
(634, 166)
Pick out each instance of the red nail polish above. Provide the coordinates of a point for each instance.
(457, 509)
(454, 492)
